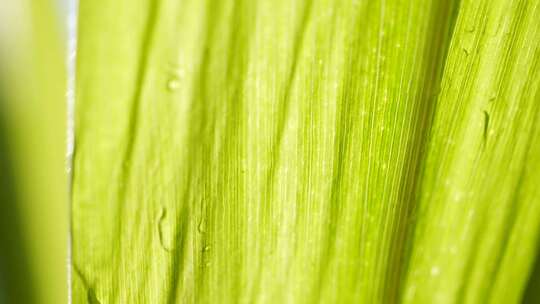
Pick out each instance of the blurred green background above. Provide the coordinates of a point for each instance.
(33, 179)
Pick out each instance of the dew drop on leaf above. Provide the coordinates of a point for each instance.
(173, 84)
(92, 298)
(161, 230)
(486, 125)
(201, 226)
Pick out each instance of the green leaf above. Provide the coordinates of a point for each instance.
(278, 151)
(479, 200)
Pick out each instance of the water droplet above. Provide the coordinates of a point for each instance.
(465, 51)
(173, 83)
(458, 196)
(92, 298)
(500, 25)
(486, 125)
(161, 229)
(201, 227)
(206, 248)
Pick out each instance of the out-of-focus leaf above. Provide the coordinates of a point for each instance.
(33, 184)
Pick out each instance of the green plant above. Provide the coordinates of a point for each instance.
(306, 151)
